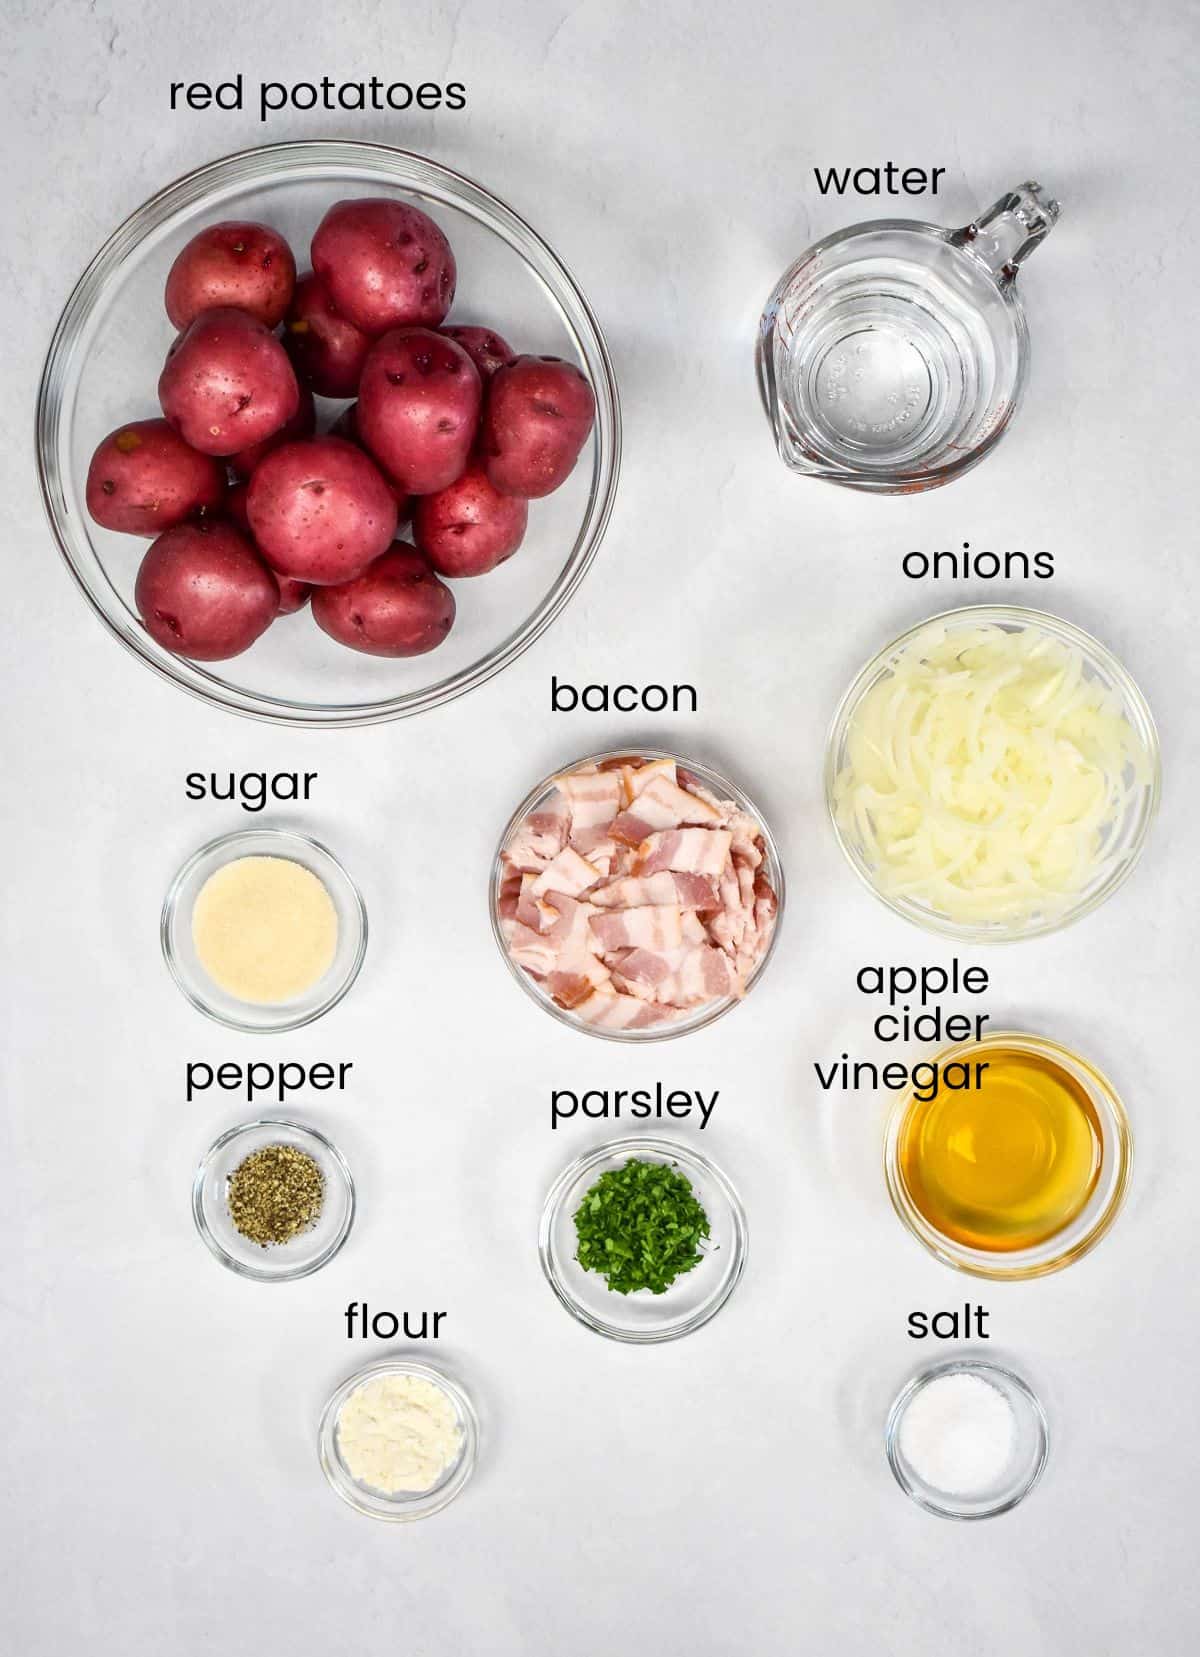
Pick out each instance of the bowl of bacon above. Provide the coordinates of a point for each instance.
(637, 897)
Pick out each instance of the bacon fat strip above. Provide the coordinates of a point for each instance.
(568, 873)
(656, 927)
(639, 777)
(614, 1011)
(684, 891)
(687, 850)
(595, 797)
(704, 974)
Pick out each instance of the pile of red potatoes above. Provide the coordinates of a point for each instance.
(252, 515)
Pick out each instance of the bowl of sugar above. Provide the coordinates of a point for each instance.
(264, 930)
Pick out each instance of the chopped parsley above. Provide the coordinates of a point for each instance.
(640, 1227)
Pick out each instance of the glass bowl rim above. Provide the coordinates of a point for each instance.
(263, 164)
(1016, 1267)
(358, 911)
(336, 1160)
(965, 1365)
(674, 1151)
(711, 1010)
(1136, 708)
(418, 1504)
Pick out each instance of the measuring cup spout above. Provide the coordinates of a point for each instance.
(1005, 236)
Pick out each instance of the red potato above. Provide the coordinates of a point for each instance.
(203, 592)
(327, 352)
(346, 425)
(538, 416)
(385, 264)
(293, 595)
(487, 349)
(469, 528)
(248, 266)
(144, 478)
(227, 383)
(418, 408)
(320, 511)
(397, 607)
(302, 424)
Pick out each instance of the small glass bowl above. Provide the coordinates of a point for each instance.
(107, 352)
(644, 1318)
(1125, 839)
(281, 1262)
(1030, 1447)
(1097, 1215)
(699, 1017)
(179, 950)
(404, 1505)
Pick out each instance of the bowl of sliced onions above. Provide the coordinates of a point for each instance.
(993, 773)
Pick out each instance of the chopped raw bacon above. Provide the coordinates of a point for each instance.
(568, 873)
(650, 928)
(642, 970)
(570, 927)
(704, 974)
(595, 797)
(673, 805)
(527, 910)
(510, 894)
(588, 840)
(634, 895)
(530, 950)
(726, 930)
(569, 989)
(662, 805)
(639, 777)
(693, 929)
(685, 891)
(630, 828)
(689, 850)
(614, 1011)
(745, 880)
(541, 836)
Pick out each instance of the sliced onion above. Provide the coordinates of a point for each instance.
(985, 773)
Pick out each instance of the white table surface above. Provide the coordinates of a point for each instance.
(724, 1494)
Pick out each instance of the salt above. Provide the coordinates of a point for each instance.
(958, 1434)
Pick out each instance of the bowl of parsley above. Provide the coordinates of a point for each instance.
(643, 1239)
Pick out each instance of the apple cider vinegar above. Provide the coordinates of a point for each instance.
(1009, 1163)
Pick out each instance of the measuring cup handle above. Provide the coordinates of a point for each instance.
(1005, 236)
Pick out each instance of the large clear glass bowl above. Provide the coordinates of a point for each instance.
(103, 366)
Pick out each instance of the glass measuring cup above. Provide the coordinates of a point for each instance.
(892, 355)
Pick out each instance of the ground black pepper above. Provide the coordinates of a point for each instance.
(275, 1194)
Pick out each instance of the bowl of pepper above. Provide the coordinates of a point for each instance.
(643, 1239)
(273, 1200)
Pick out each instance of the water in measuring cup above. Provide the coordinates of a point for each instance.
(888, 363)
